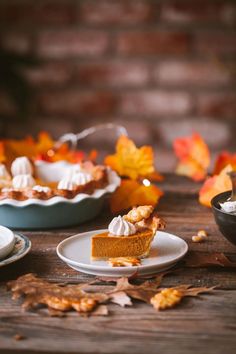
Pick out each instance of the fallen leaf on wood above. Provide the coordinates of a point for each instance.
(141, 292)
(170, 297)
(120, 298)
(101, 310)
(54, 296)
(195, 259)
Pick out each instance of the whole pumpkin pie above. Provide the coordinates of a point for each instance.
(127, 236)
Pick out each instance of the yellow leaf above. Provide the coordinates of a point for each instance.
(129, 161)
(132, 193)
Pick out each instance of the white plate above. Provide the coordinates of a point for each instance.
(21, 248)
(7, 241)
(166, 250)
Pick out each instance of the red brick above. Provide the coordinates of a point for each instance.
(215, 42)
(28, 13)
(121, 12)
(16, 42)
(152, 43)
(113, 73)
(75, 103)
(201, 11)
(155, 103)
(217, 104)
(7, 106)
(216, 134)
(66, 44)
(193, 73)
(51, 74)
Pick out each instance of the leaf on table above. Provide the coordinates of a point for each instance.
(224, 158)
(215, 185)
(170, 297)
(54, 296)
(196, 259)
(120, 298)
(130, 161)
(132, 193)
(194, 157)
(141, 292)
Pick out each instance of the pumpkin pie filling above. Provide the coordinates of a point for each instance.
(136, 239)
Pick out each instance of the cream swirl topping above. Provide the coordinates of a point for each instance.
(67, 184)
(229, 207)
(21, 166)
(120, 227)
(23, 181)
(81, 178)
(41, 189)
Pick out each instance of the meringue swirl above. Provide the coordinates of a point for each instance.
(81, 178)
(41, 189)
(21, 166)
(120, 227)
(67, 184)
(23, 181)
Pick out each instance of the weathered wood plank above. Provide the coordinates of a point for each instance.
(195, 326)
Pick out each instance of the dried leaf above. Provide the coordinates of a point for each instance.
(195, 259)
(224, 158)
(120, 298)
(215, 185)
(101, 310)
(194, 157)
(132, 193)
(54, 296)
(129, 161)
(142, 292)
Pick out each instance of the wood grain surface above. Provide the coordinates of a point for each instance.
(206, 324)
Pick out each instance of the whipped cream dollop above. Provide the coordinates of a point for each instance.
(66, 183)
(4, 173)
(120, 227)
(81, 178)
(21, 166)
(41, 189)
(76, 168)
(229, 207)
(23, 181)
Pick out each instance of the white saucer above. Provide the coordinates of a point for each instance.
(7, 241)
(166, 250)
(21, 247)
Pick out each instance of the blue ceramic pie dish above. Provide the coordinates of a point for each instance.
(56, 212)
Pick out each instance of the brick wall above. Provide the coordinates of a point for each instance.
(163, 68)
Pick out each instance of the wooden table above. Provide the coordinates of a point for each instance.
(199, 325)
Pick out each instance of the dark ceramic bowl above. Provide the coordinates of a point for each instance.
(225, 221)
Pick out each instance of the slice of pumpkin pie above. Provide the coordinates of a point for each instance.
(127, 236)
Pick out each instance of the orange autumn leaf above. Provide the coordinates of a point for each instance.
(42, 148)
(132, 193)
(224, 158)
(194, 157)
(215, 185)
(133, 162)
